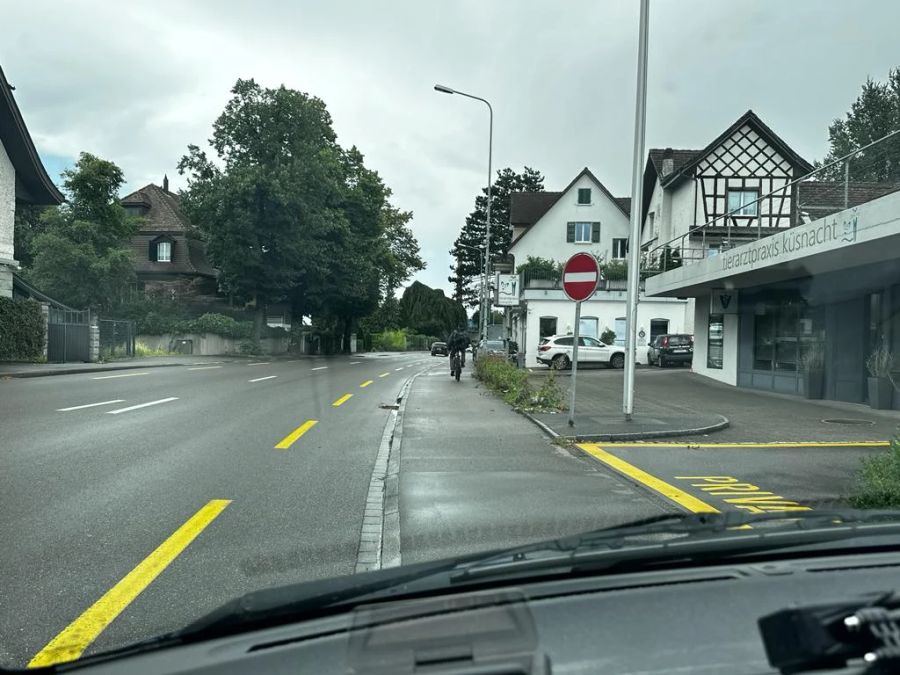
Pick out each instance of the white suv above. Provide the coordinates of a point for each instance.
(556, 352)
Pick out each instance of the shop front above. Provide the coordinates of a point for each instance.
(801, 312)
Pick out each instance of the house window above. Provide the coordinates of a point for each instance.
(715, 340)
(619, 248)
(621, 330)
(587, 326)
(547, 326)
(583, 233)
(584, 195)
(743, 202)
(164, 251)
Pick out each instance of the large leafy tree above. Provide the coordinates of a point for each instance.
(271, 206)
(874, 114)
(465, 268)
(80, 253)
(428, 311)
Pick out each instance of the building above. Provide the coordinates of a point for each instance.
(23, 180)
(165, 254)
(583, 217)
(781, 264)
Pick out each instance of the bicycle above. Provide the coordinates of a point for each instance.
(455, 365)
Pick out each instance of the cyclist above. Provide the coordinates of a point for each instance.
(457, 343)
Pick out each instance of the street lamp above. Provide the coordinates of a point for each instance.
(480, 252)
(487, 231)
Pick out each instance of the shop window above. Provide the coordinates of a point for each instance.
(715, 341)
(780, 329)
(547, 326)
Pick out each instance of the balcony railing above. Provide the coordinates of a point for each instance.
(546, 280)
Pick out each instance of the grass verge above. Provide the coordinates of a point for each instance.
(878, 482)
(512, 385)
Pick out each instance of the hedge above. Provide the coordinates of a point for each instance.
(21, 330)
(218, 324)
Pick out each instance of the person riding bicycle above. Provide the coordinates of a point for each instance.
(457, 344)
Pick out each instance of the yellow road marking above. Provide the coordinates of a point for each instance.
(671, 492)
(342, 400)
(384, 375)
(292, 437)
(366, 383)
(78, 635)
(780, 444)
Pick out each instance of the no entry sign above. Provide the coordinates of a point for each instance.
(580, 276)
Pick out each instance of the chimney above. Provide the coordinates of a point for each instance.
(165, 183)
(668, 163)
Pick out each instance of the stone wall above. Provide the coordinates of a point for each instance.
(208, 344)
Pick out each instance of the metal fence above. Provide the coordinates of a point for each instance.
(116, 338)
(68, 334)
(865, 174)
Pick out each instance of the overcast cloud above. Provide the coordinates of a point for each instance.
(136, 82)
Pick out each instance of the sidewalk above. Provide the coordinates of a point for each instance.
(476, 476)
(754, 416)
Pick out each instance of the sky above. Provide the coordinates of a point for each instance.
(136, 82)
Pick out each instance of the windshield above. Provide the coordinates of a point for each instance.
(298, 291)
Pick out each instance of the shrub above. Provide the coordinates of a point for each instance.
(878, 482)
(608, 337)
(250, 347)
(504, 379)
(389, 341)
(154, 323)
(21, 330)
(218, 324)
(140, 349)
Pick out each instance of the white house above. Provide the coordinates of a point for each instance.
(23, 179)
(583, 217)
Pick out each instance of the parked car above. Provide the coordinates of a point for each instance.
(556, 352)
(439, 348)
(491, 348)
(671, 348)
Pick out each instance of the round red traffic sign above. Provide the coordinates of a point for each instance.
(580, 276)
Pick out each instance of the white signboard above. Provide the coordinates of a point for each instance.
(722, 301)
(507, 290)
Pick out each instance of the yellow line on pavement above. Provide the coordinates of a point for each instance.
(366, 383)
(342, 400)
(78, 635)
(292, 437)
(680, 497)
(384, 375)
(780, 444)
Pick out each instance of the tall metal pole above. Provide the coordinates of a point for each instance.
(574, 364)
(485, 286)
(634, 253)
(487, 230)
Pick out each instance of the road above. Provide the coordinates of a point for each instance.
(134, 502)
(100, 469)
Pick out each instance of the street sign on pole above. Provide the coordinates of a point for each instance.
(581, 275)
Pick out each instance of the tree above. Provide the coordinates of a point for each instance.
(874, 114)
(80, 255)
(28, 225)
(466, 268)
(428, 311)
(272, 214)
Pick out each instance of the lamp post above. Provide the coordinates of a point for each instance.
(484, 291)
(487, 231)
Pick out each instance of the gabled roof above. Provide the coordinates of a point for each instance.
(33, 185)
(822, 198)
(526, 208)
(163, 209)
(749, 118)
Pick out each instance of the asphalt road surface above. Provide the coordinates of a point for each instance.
(110, 476)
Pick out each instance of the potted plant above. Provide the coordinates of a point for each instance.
(812, 367)
(881, 387)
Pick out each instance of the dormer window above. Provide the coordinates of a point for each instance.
(161, 249)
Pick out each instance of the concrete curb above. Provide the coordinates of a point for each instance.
(723, 423)
(379, 544)
(82, 371)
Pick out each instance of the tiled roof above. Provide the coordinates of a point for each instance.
(624, 204)
(822, 198)
(526, 208)
(164, 214)
(679, 158)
